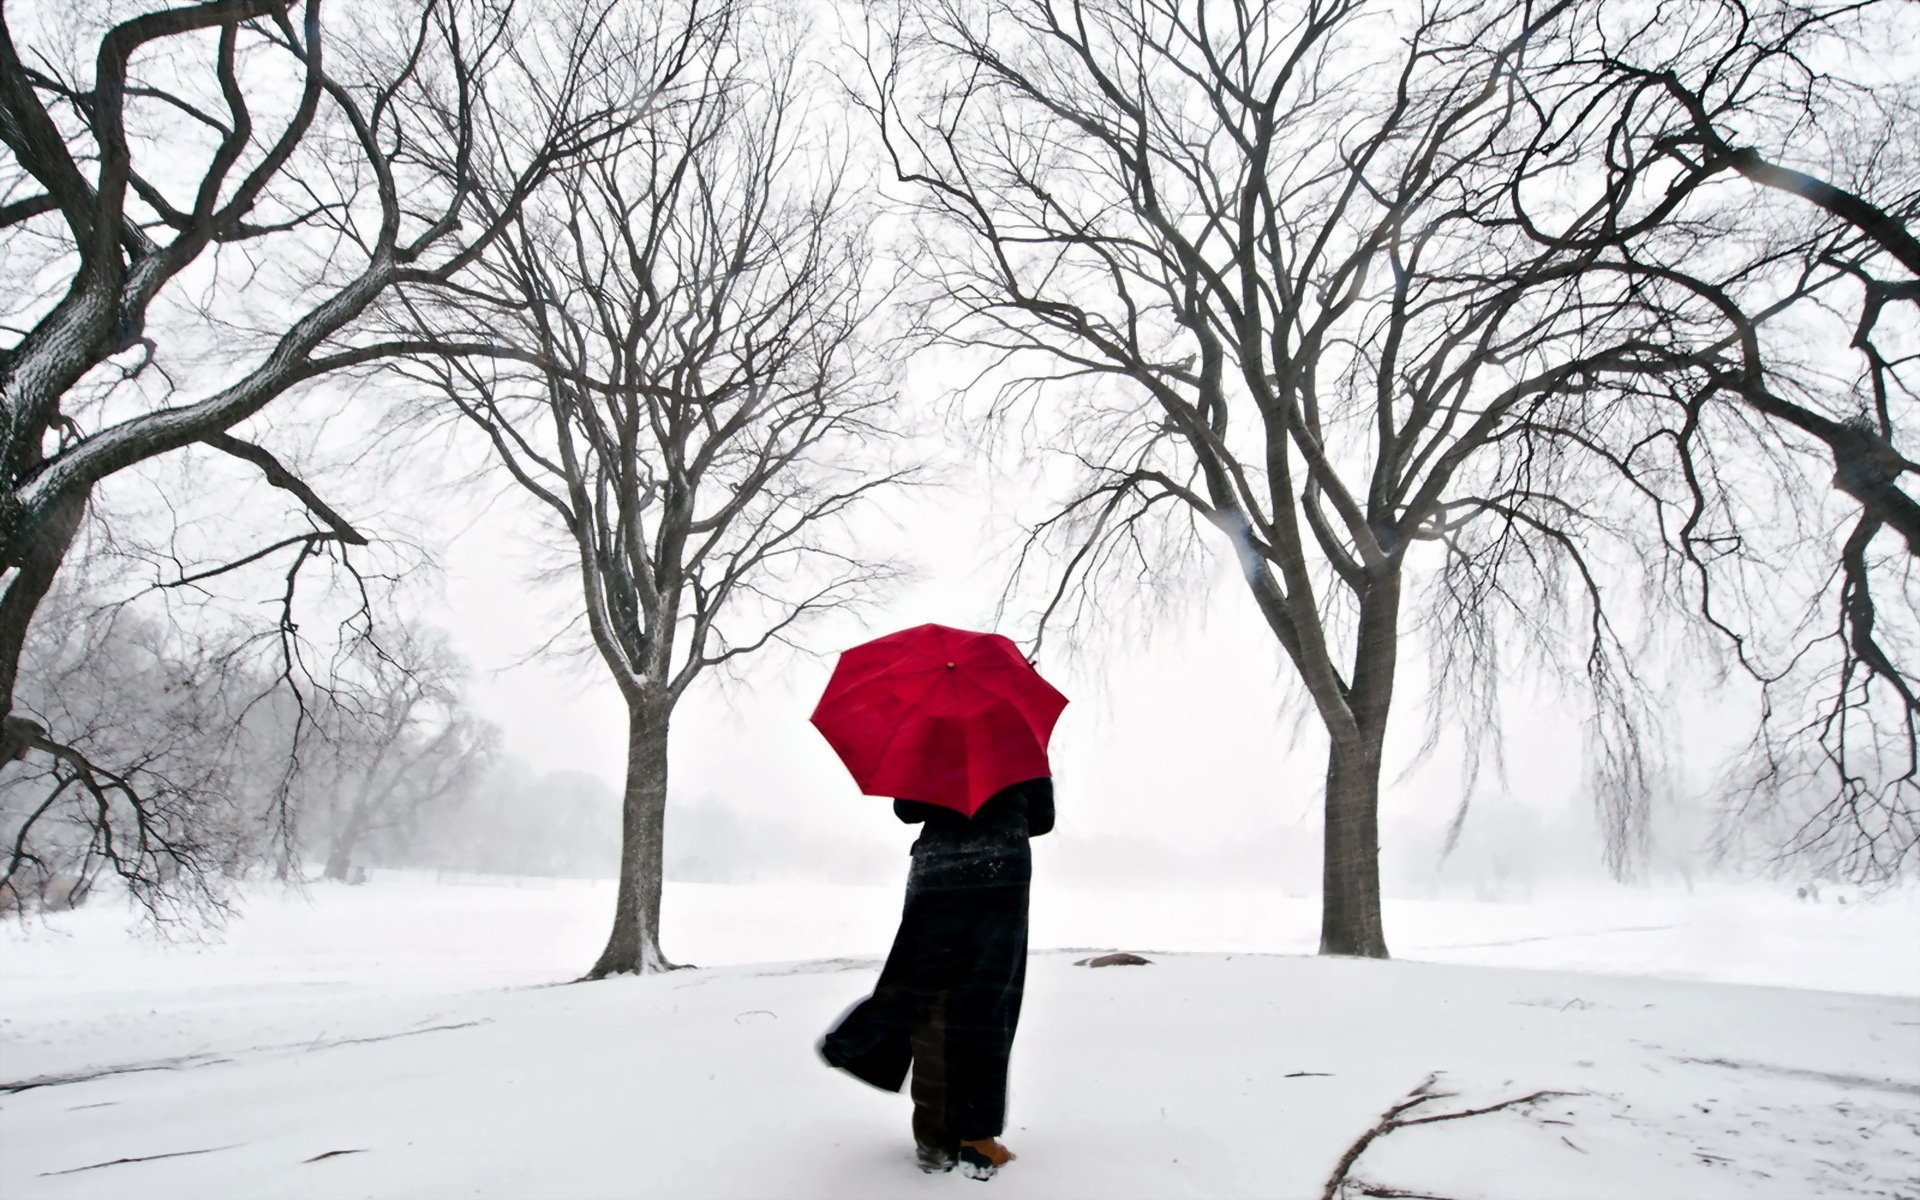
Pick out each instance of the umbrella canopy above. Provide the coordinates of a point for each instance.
(944, 716)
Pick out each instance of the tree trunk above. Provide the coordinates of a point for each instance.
(633, 948)
(1350, 918)
(1350, 880)
(40, 561)
(346, 838)
(345, 842)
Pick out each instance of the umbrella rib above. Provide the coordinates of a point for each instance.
(1000, 695)
(881, 672)
(892, 737)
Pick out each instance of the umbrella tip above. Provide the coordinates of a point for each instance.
(949, 666)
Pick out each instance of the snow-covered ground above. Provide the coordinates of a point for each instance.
(401, 1039)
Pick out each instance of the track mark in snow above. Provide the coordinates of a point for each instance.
(387, 1037)
(331, 1154)
(1575, 1003)
(164, 1064)
(139, 1159)
(1547, 937)
(822, 966)
(207, 1060)
(1834, 1077)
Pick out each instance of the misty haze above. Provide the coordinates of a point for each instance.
(1106, 598)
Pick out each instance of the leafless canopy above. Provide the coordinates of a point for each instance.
(673, 349)
(1472, 291)
(1753, 162)
(1273, 246)
(147, 783)
(197, 212)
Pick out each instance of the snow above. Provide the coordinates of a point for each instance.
(413, 1024)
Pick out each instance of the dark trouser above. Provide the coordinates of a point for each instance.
(948, 999)
(930, 1080)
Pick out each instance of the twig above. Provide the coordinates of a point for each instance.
(140, 1159)
(1396, 1118)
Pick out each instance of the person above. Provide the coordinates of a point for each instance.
(948, 999)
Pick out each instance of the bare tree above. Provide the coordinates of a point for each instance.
(1833, 773)
(197, 216)
(712, 392)
(150, 783)
(1266, 258)
(1753, 160)
(405, 750)
(175, 777)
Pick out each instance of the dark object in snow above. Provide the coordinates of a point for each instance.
(948, 999)
(1122, 959)
(331, 1154)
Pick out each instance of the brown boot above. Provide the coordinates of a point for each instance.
(981, 1157)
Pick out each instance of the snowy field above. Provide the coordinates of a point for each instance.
(404, 1039)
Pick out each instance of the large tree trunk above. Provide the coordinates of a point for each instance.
(347, 836)
(1350, 918)
(1350, 867)
(633, 948)
(339, 860)
(345, 842)
(40, 561)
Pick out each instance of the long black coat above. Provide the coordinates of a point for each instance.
(952, 984)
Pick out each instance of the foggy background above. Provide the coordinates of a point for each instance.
(1175, 764)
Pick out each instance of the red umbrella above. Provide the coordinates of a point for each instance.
(939, 715)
